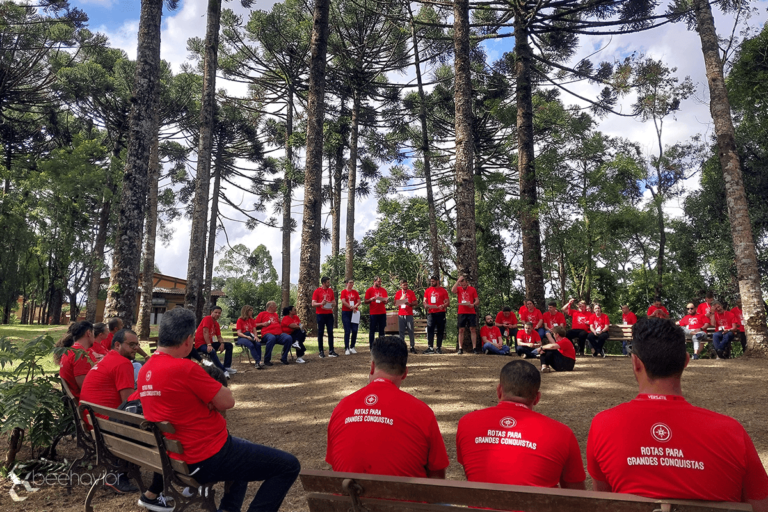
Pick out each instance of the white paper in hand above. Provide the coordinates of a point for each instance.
(356, 317)
(328, 305)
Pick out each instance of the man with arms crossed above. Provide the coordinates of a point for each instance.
(468, 301)
(666, 448)
(490, 335)
(436, 301)
(382, 430)
(511, 444)
(175, 389)
(552, 318)
(506, 321)
(579, 324)
(726, 328)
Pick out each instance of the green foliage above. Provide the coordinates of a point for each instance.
(247, 277)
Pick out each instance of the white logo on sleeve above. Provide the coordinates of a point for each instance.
(508, 422)
(149, 375)
(371, 400)
(661, 432)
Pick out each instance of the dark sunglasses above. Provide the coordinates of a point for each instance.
(691, 309)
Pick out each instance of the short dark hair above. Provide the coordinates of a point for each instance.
(176, 326)
(120, 336)
(559, 330)
(660, 344)
(435, 278)
(325, 279)
(528, 323)
(287, 310)
(506, 309)
(657, 298)
(403, 281)
(390, 354)
(553, 304)
(215, 307)
(709, 295)
(114, 323)
(349, 280)
(99, 328)
(520, 378)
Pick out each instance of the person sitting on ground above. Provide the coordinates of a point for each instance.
(726, 328)
(272, 333)
(738, 317)
(695, 327)
(74, 365)
(205, 342)
(175, 389)
(542, 452)
(100, 333)
(705, 308)
(559, 356)
(528, 342)
(530, 313)
(350, 304)
(506, 321)
(411, 444)
(665, 450)
(552, 318)
(468, 302)
(246, 334)
(579, 324)
(598, 324)
(657, 310)
(491, 338)
(627, 318)
(291, 324)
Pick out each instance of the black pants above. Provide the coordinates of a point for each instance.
(579, 335)
(436, 322)
(526, 352)
(325, 322)
(598, 341)
(299, 336)
(557, 361)
(512, 341)
(743, 340)
(378, 323)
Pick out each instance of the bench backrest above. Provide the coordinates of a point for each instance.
(81, 427)
(330, 491)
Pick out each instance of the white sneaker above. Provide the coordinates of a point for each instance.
(346, 352)
(207, 362)
(187, 493)
(300, 360)
(232, 371)
(226, 374)
(352, 351)
(295, 344)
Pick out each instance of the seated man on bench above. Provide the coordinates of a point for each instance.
(382, 430)
(668, 448)
(526, 447)
(174, 389)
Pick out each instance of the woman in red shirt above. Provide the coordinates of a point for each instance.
(246, 334)
(598, 325)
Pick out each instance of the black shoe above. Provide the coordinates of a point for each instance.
(438, 350)
(476, 351)
(284, 361)
(268, 363)
(429, 350)
(159, 504)
(120, 483)
(460, 351)
(413, 351)
(321, 354)
(332, 354)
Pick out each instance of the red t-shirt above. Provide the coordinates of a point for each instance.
(529, 316)
(662, 452)
(324, 294)
(213, 330)
(436, 295)
(288, 320)
(178, 390)
(551, 320)
(107, 342)
(524, 337)
(350, 296)
(69, 368)
(629, 318)
(566, 348)
(738, 317)
(724, 321)
(97, 348)
(511, 444)
(579, 319)
(274, 328)
(511, 319)
(382, 430)
(102, 385)
(246, 325)
(653, 308)
(602, 322)
(468, 294)
(694, 321)
(704, 309)
(404, 310)
(492, 333)
(377, 308)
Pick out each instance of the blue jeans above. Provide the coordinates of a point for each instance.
(253, 346)
(542, 333)
(721, 340)
(215, 357)
(240, 462)
(350, 330)
(271, 340)
(378, 323)
(490, 347)
(325, 322)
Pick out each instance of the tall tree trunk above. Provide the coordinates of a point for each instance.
(309, 264)
(285, 284)
(736, 199)
(147, 281)
(660, 257)
(74, 311)
(212, 228)
(434, 241)
(529, 217)
(124, 279)
(349, 255)
(192, 298)
(338, 169)
(57, 301)
(561, 274)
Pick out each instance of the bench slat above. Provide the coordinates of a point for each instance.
(329, 503)
(127, 417)
(138, 435)
(147, 456)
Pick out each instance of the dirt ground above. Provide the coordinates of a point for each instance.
(288, 407)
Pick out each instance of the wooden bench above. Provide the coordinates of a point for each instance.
(83, 439)
(419, 328)
(136, 443)
(621, 333)
(328, 491)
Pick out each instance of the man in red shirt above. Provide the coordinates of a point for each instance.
(705, 308)
(172, 388)
(738, 316)
(405, 299)
(598, 324)
(665, 448)
(382, 430)
(291, 325)
(657, 310)
(506, 321)
(376, 296)
(491, 338)
(627, 318)
(559, 356)
(272, 333)
(695, 328)
(436, 301)
(350, 307)
(551, 319)
(579, 324)
(725, 329)
(468, 301)
(528, 342)
(205, 342)
(511, 444)
(323, 300)
(530, 313)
